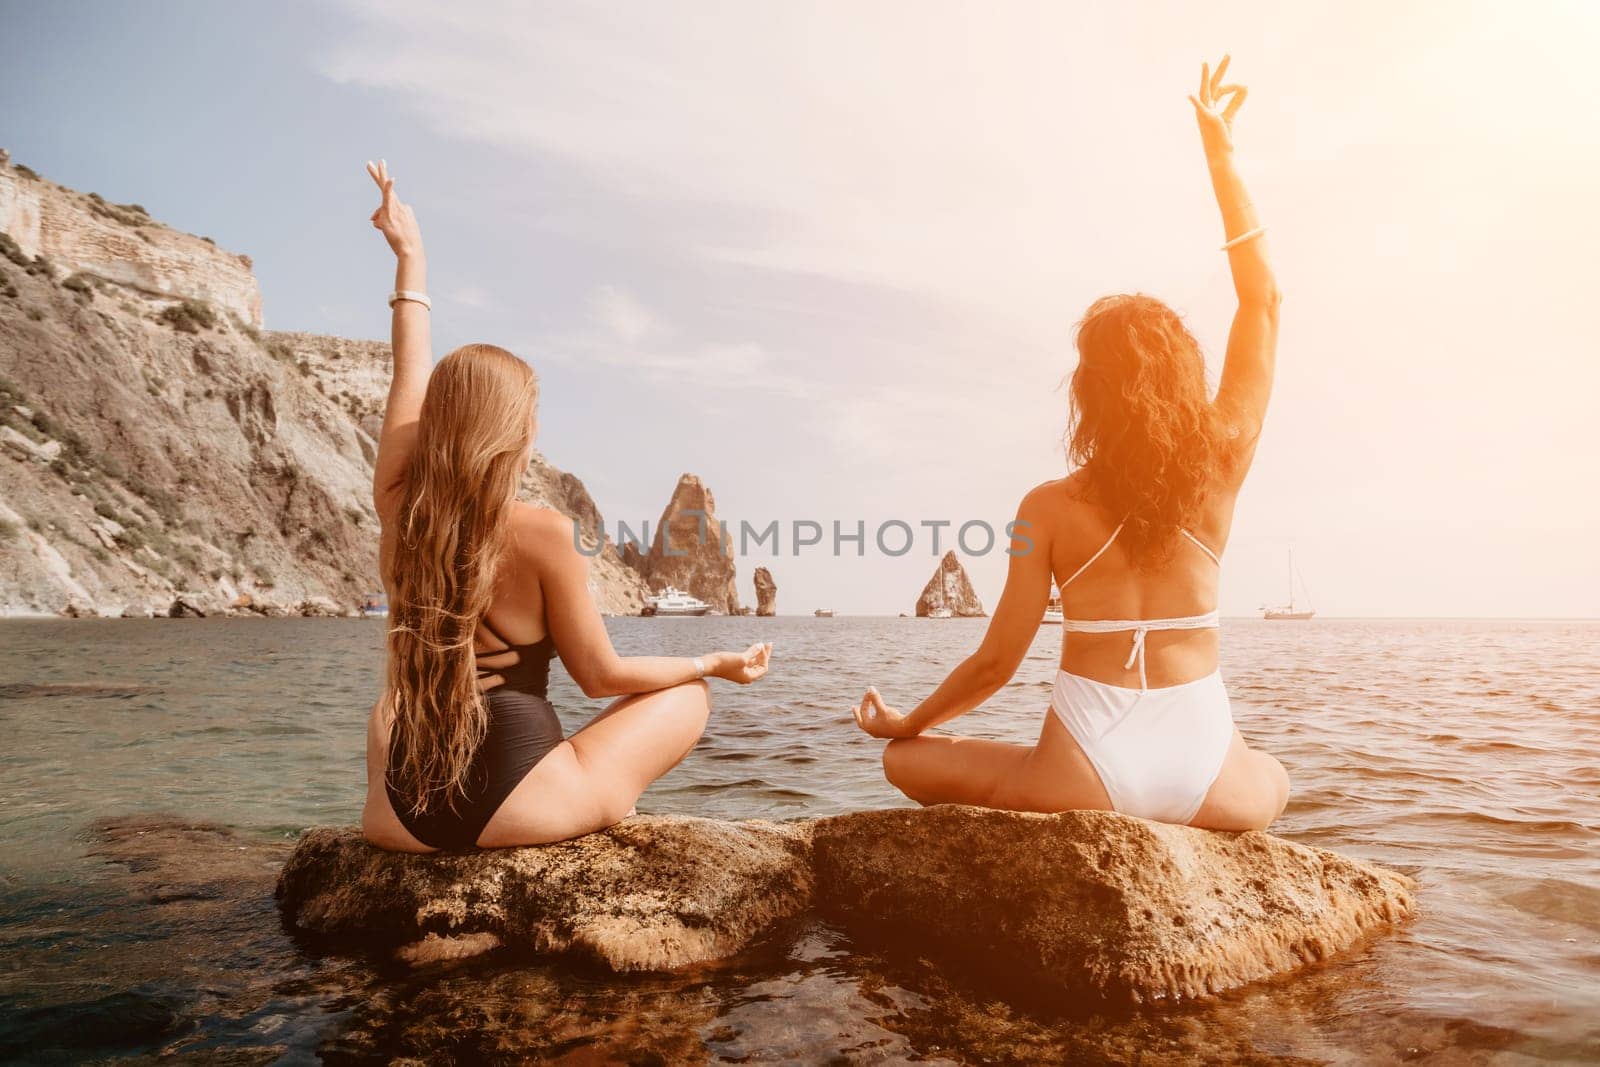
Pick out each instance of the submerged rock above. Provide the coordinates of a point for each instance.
(1078, 903)
(654, 892)
(766, 593)
(1096, 902)
(949, 593)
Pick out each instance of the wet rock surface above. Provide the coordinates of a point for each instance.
(1095, 902)
(1082, 903)
(652, 893)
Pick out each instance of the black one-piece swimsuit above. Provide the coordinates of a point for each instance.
(523, 728)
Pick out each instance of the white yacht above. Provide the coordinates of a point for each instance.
(823, 613)
(671, 601)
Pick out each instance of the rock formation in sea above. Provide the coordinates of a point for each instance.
(766, 593)
(160, 452)
(949, 592)
(1082, 903)
(653, 893)
(689, 550)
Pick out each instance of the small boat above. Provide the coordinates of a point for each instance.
(373, 606)
(671, 602)
(1052, 611)
(1291, 612)
(823, 613)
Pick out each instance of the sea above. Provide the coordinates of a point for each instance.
(154, 774)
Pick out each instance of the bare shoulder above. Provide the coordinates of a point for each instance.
(543, 534)
(1053, 500)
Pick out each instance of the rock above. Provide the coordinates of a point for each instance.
(949, 593)
(319, 607)
(766, 593)
(690, 551)
(43, 451)
(1083, 903)
(654, 892)
(1095, 902)
(122, 244)
(184, 609)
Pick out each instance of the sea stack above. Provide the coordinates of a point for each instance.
(701, 558)
(949, 593)
(766, 593)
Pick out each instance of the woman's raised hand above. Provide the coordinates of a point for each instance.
(394, 219)
(742, 667)
(1214, 107)
(879, 719)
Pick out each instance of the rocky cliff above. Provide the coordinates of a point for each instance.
(949, 592)
(1082, 904)
(689, 550)
(156, 445)
(85, 233)
(766, 593)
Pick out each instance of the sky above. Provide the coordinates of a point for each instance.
(829, 256)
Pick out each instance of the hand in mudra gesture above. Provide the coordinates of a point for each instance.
(394, 219)
(879, 719)
(1215, 105)
(743, 667)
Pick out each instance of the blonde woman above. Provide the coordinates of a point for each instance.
(1139, 719)
(463, 748)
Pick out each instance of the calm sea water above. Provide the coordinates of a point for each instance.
(1465, 753)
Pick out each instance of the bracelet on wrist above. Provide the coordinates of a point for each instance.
(1248, 235)
(699, 667)
(412, 295)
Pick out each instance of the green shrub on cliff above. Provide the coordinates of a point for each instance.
(12, 251)
(80, 287)
(9, 531)
(191, 316)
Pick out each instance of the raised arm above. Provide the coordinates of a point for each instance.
(1005, 643)
(1253, 339)
(580, 634)
(409, 341)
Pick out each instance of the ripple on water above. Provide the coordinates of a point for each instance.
(1467, 754)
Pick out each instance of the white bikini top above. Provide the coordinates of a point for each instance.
(1140, 627)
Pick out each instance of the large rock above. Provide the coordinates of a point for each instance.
(690, 551)
(1096, 902)
(652, 893)
(1081, 903)
(766, 593)
(949, 592)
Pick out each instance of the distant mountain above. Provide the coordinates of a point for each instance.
(157, 445)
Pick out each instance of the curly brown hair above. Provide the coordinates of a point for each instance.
(1143, 428)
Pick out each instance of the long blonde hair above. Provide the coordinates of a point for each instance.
(1143, 428)
(455, 504)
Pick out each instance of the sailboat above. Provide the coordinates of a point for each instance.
(1293, 611)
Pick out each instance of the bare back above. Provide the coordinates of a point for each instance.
(1114, 588)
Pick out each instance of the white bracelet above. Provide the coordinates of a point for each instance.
(411, 295)
(699, 667)
(1248, 235)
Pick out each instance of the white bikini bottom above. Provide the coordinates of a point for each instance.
(1157, 751)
